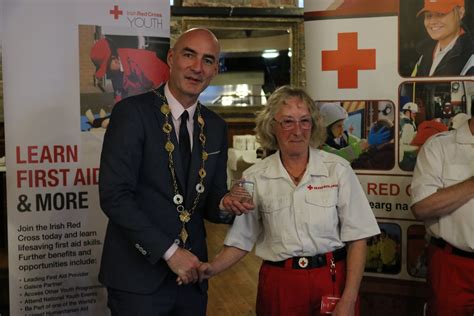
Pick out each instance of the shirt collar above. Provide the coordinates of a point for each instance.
(316, 166)
(464, 135)
(175, 107)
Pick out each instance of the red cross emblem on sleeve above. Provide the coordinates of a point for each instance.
(347, 60)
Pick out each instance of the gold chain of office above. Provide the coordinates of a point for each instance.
(183, 213)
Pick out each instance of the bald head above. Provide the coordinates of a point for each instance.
(199, 32)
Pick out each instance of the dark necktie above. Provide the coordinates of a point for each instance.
(184, 142)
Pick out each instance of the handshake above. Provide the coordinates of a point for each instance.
(189, 268)
(204, 272)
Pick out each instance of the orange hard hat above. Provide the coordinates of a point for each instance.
(441, 6)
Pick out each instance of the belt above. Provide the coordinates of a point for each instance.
(441, 243)
(316, 261)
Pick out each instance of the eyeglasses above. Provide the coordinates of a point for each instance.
(290, 123)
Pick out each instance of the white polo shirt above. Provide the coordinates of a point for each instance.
(326, 209)
(444, 160)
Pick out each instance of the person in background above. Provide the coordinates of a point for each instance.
(339, 141)
(382, 155)
(449, 50)
(132, 71)
(442, 193)
(311, 217)
(426, 129)
(161, 175)
(407, 152)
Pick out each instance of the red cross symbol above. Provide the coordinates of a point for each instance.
(116, 12)
(310, 187)
(347, 60)
(351, 128)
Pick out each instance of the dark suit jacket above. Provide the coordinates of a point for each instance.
(136, 192)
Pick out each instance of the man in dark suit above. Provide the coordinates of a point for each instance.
(161, 174)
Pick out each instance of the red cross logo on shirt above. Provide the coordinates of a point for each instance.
(116, 12)
(347, 60)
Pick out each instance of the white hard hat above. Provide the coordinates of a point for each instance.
(410, 106)
(332, 112)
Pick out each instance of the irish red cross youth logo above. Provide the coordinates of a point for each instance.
(116, 12)
(347, 60)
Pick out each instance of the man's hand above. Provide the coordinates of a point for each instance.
(185, 265)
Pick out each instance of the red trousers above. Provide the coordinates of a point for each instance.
(288, 292)
(451, 283)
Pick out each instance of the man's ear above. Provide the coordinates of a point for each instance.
(462, 11)
(169, 58)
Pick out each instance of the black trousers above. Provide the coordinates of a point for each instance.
(170, 299)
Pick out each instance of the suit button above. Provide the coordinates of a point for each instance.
(137, 246)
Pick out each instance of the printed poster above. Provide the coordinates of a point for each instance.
(366, 57)
(65, 64)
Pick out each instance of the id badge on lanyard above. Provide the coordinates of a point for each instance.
(329, 302)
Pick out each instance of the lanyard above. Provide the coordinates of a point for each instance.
(332, 271)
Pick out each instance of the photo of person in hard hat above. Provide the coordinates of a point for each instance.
(131, 70)
(339, 141)
(448, 49)
(408, 129)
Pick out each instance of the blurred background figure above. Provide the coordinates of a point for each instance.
(408, 129)
(131, 70)
(339, 141)
(380, 155)
(426, 129)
